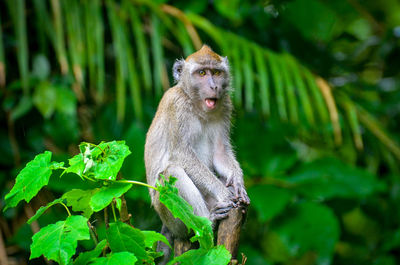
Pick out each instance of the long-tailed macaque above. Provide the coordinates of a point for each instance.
(189, 139)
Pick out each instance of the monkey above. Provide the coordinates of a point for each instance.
(189, 139)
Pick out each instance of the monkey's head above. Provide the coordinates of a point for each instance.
(205, 77)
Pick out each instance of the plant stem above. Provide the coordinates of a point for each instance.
(135, 182)
(113, 210)
(65, 206)
(92, 233)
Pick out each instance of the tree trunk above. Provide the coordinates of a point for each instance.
(229, 231)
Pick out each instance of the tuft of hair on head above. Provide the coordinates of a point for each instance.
(177, 69)
(205, 53)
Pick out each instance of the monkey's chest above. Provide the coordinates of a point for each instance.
(203, 147)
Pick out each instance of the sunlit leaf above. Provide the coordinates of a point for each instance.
(119, 258)
(79, 200)
(217, 256)
(201, 226)
(31, 179)
(106, 194)
(58, 241)
(123, 237)
(85, 257)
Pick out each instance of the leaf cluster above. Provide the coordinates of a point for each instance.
(123, 243)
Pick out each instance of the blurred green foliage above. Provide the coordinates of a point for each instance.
(317, 92)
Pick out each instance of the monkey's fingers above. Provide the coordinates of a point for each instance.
(229, 182)
(244, 198)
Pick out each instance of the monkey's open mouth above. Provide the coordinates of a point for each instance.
(211, 102)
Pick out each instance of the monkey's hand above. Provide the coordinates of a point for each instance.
(238, 190)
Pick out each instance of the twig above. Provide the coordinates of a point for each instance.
(93, 234)
(3, 253)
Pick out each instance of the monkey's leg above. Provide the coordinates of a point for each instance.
(189, 192)
(161, 246)
(229, 231)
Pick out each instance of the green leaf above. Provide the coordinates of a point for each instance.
(41, 67)
(105, 160)
(31, 179)
(80, 200)
(269, 201)
(45, 98)
(85, 257)
(181, 209)
(310, 227)
(65, 101)
(329, 177)
(151, 237)
(106, 194)
(58, 241)
(119, 258)
(123, 237)
(217, 256)
(43, 209)
(76, 165)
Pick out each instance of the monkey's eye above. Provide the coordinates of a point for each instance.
(217, 72)
(202, 73)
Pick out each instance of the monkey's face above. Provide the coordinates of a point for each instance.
(205, 78)
(209, 85)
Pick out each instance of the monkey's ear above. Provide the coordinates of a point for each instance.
(225, 63)
(177, 69)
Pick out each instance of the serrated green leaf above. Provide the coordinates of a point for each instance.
(105, 160)
(151, 237)
(58, 241)
(43, 209)
(106, 194)
(76, 165)
(119, 258)
(123, 237)
(31, 179)
(217, 256)
(201, 226)
(85, 257)
(268, 200)
(80, 200)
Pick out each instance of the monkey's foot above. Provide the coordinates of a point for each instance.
(221, 210)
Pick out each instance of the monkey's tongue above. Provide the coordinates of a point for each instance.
(210, 102)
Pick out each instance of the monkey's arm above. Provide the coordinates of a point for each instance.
(226, 165)
(201, 175)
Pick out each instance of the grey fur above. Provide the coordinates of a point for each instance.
(191, 142)
(177, 69)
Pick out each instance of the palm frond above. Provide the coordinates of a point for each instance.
(144, 34)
